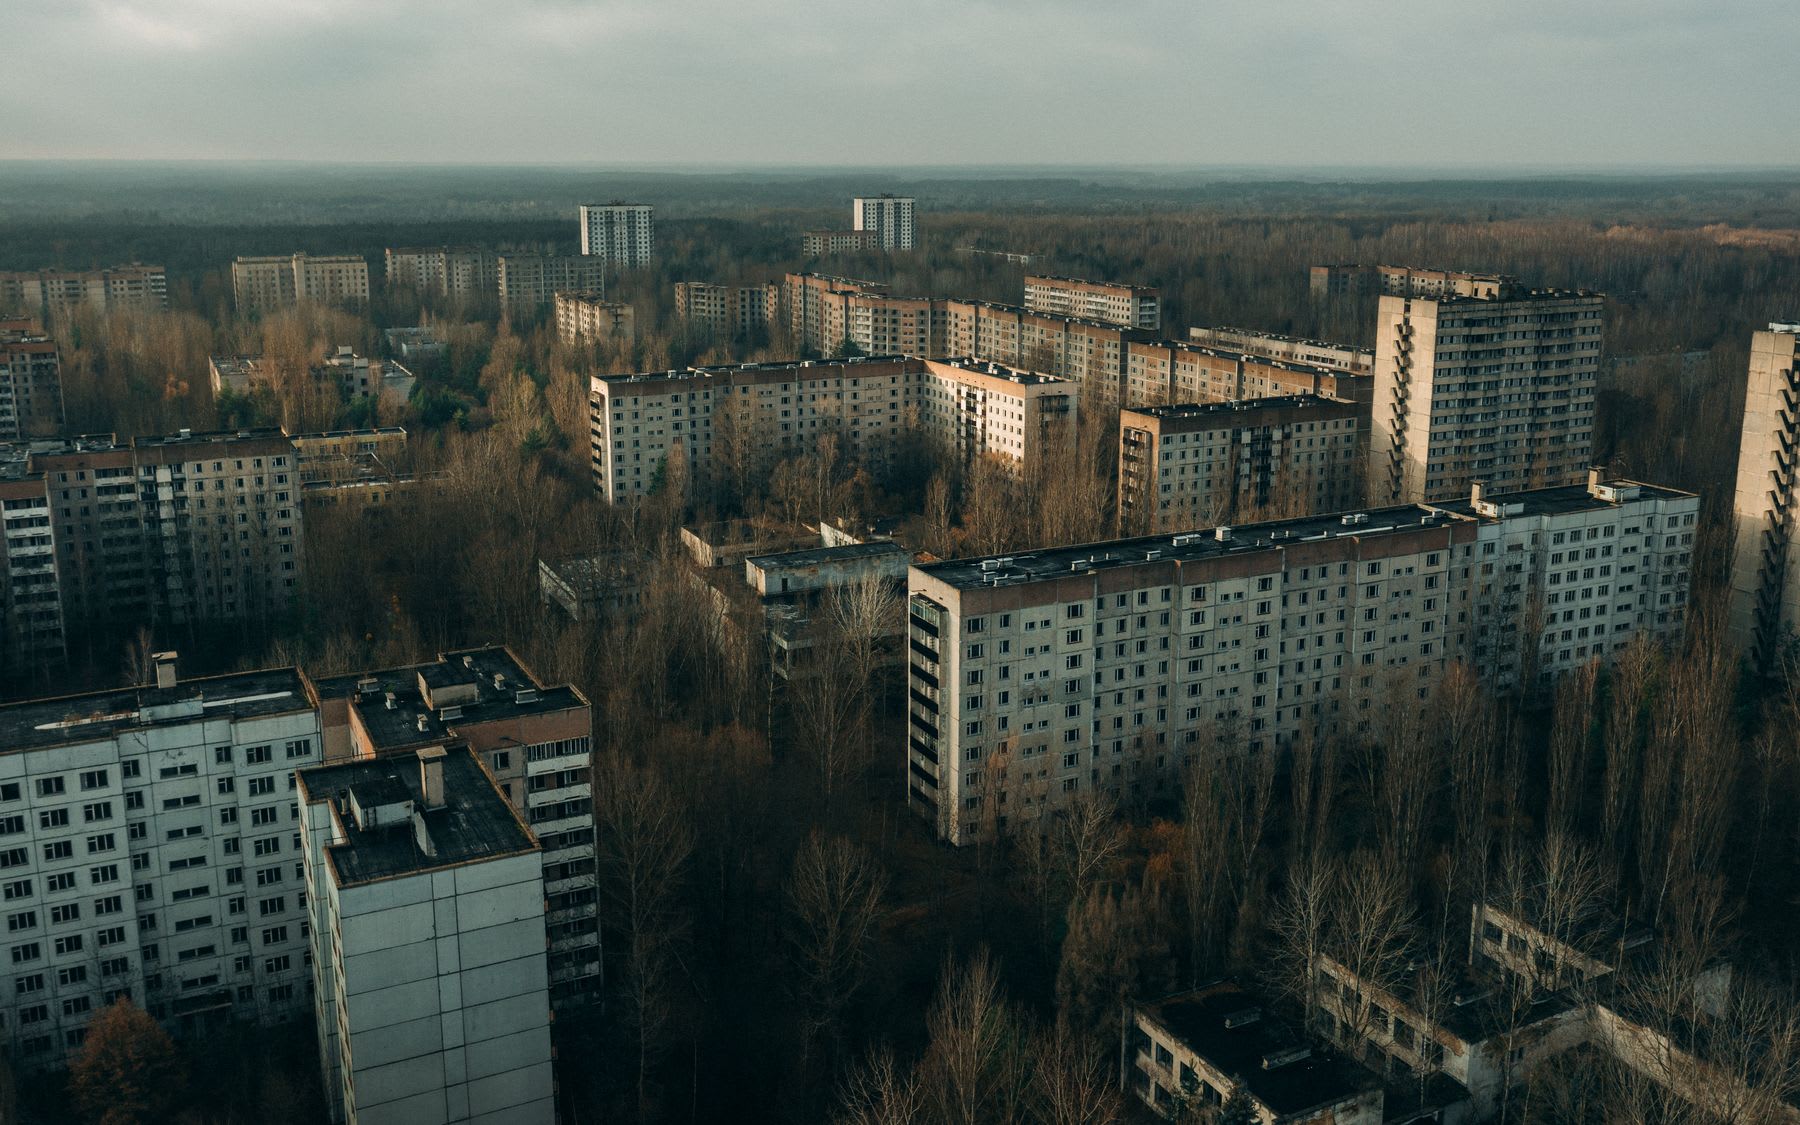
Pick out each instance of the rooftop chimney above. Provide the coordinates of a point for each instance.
(1594, 479)
(1477, 492)
(164, 662)
(431, 777)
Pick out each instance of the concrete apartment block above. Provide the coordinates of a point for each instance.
(1497, 388)
(31, 401)
(889, 217)
(426, 891)
(761, 411)
(56, 293)
(1044, 674)
(1765, 580)
(283, 280)
(149, 847)
(1202, 464)
(1133, 306)
(621, 233)
(1319, 353)
(589, 318)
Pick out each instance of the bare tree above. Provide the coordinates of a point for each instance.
(835, 895)
(1369, 932)
(880, 1092)
(1571, 732)
(977, 1068)
(1070, 1082)
(1298, 927)
(643, 841)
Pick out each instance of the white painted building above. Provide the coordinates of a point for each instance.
(621, 233)
(427, 907)
(890, 216)
(150, 847)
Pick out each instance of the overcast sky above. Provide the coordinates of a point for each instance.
(1259, 82)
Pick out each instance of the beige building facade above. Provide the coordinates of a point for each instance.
(56, 293)
(1498, 389)
(589, 318)
(1133, 306)
(283, 281)
(1202, 464)
(1765, 568)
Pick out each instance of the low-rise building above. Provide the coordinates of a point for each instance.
(238, 374)
(1043, 674)
(1195, 1050)
(1134, 306)
(592, 587)
(426, 898)
(795, 587)
(533, 738)
(31, 401)
(152, 850)
(363, 377)
(1203, 464)
(589, 318)
(57, 293)
(415, 344)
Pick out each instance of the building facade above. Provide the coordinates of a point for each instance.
(728, 311)
(815, 243)
(1319, 353)
(1483, 388)
(282, 281)
(1038, 676)
(890, 217)
(56, 293)
(452, 271)
(178, 529)
(1203, 464)
(528, 282)
(726, 418)
(588, 318)
(1134, 306)
(621, 233)
(31, 617)
(31, 403)
(1765, 569)
(534, 740)
(150, 842)
(1406, 281)
(426, 901)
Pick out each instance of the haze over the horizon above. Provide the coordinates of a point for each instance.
(1287, 82)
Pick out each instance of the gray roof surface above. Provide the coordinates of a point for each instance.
(475, 823)
(37, 723)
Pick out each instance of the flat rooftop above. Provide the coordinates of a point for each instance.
(1242, 406)
(821, 556)
(999, 371)
(96, 716)
(399, 726)
(1565, 499)
(475, 824)
(817, 366)
(1255, 334)
(1320, 1077)
(1060, 562)
(1149, 289)
(1202, 543)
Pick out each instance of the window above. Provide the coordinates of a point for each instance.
(19, 888)
(28, 984)
(50, 786)
(299, 749)
(69, 944)
(60, 849)
(30, 951)
(263, 816)
(53, 818)
(99, 810)
(275, 935)
(105, 873)
(258, 755)
(261, 786)
(94, 779)
(276, 905)
(104, 842)
(67, 912)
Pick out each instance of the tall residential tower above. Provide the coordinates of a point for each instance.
(1765, 583)
(621, 233)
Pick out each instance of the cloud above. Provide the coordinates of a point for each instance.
(903, 81)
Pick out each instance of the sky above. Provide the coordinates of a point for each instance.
(1289, 83)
